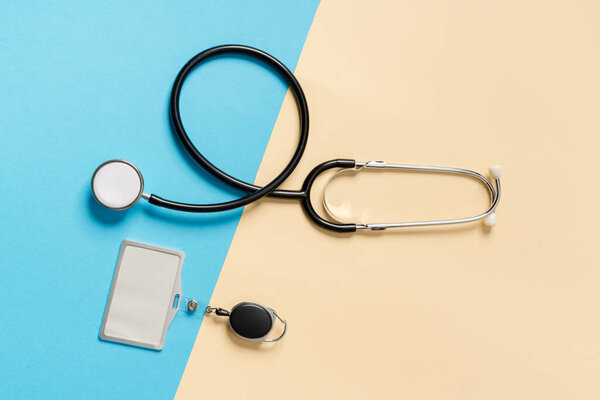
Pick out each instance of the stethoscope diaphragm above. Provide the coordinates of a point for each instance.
(117, 184)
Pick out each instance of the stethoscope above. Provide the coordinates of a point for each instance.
(118, 184)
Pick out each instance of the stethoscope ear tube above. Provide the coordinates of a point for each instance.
(488, 216)
(254, 192)
(307, 186)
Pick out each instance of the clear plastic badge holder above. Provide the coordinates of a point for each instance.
(145, 296)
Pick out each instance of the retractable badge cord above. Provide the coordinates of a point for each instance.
(248, 320)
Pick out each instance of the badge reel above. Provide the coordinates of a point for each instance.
(248, 320)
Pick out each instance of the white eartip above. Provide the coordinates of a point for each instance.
(491, 220)
(496, 171)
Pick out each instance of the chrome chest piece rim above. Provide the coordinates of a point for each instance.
(117, 184)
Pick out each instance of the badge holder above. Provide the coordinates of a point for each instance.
(145, 296)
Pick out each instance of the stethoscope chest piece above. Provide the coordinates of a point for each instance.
(117, 184)
(251, 321)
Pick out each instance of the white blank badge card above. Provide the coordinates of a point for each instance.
(144, 295)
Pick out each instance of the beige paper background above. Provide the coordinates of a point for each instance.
(452, 313)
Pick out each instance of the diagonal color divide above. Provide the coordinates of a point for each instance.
(86, 82)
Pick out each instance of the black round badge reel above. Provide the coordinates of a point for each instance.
(251, 321)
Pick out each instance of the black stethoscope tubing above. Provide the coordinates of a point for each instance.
(255, 192)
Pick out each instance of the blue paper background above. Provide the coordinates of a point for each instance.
(84, 82)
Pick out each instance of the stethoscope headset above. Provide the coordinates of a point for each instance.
(118, 184)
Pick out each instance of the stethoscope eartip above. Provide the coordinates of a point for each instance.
(496, 171)
(117, 184)
(490, 220)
